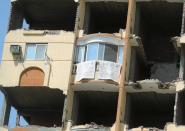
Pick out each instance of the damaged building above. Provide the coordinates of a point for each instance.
(87, 65)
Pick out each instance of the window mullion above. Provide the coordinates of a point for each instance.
(103, 51)
(84, 52)
(98, 51)
(87, 47)
(118, 53)
(35, 50)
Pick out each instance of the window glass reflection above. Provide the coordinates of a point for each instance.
(92, 52)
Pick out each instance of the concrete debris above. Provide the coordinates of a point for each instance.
(159, 71)
(145, 129)
(90, 127)
(151, 85)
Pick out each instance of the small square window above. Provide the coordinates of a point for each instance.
(35, 51)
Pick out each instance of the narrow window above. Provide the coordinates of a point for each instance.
(30, 51)
(40, 52)
(120, 55)
(101, 51)
(80, 54)
(110, 53)
(92, 52)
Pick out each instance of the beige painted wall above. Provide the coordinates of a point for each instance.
(60, 49)
(173, 127)
(3, 129)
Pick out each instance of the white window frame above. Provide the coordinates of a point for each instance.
(84, 56)
(36, 44)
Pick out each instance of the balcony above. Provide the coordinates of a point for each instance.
(98, 59)
(98, 70)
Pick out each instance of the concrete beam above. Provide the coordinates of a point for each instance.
(126, 64)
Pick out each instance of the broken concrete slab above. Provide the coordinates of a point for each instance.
(165, 72)
(150, 85)
(90, 127)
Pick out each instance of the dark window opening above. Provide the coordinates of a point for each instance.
(98, 107)
(44, 15)
(156, 23)
(41, 110)
(149, 109)
(44, 118)
(105, 17)
(180, 110)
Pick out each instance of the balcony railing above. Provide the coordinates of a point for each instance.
(97, 70)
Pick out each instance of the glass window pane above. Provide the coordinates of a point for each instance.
(80, 54)
(120, 55)
(110, 53)
(30, 51)
(92, 52)
(101, 51)
(40, 53)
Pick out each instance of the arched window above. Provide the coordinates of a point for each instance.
(32, 77)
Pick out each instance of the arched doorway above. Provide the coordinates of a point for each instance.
(32, 77)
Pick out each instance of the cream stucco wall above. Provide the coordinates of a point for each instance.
(59, 51)
(174, 127)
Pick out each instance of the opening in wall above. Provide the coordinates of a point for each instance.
(156, 28)
(42, 15)
(98, 107)
(105, 17)
(149, 109)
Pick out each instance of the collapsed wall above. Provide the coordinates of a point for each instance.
(149, 109)
(105, 17)
(156, 28)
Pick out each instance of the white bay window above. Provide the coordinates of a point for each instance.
(99, 51)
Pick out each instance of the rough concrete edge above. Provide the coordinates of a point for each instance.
(171, 1)
(163, 88)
